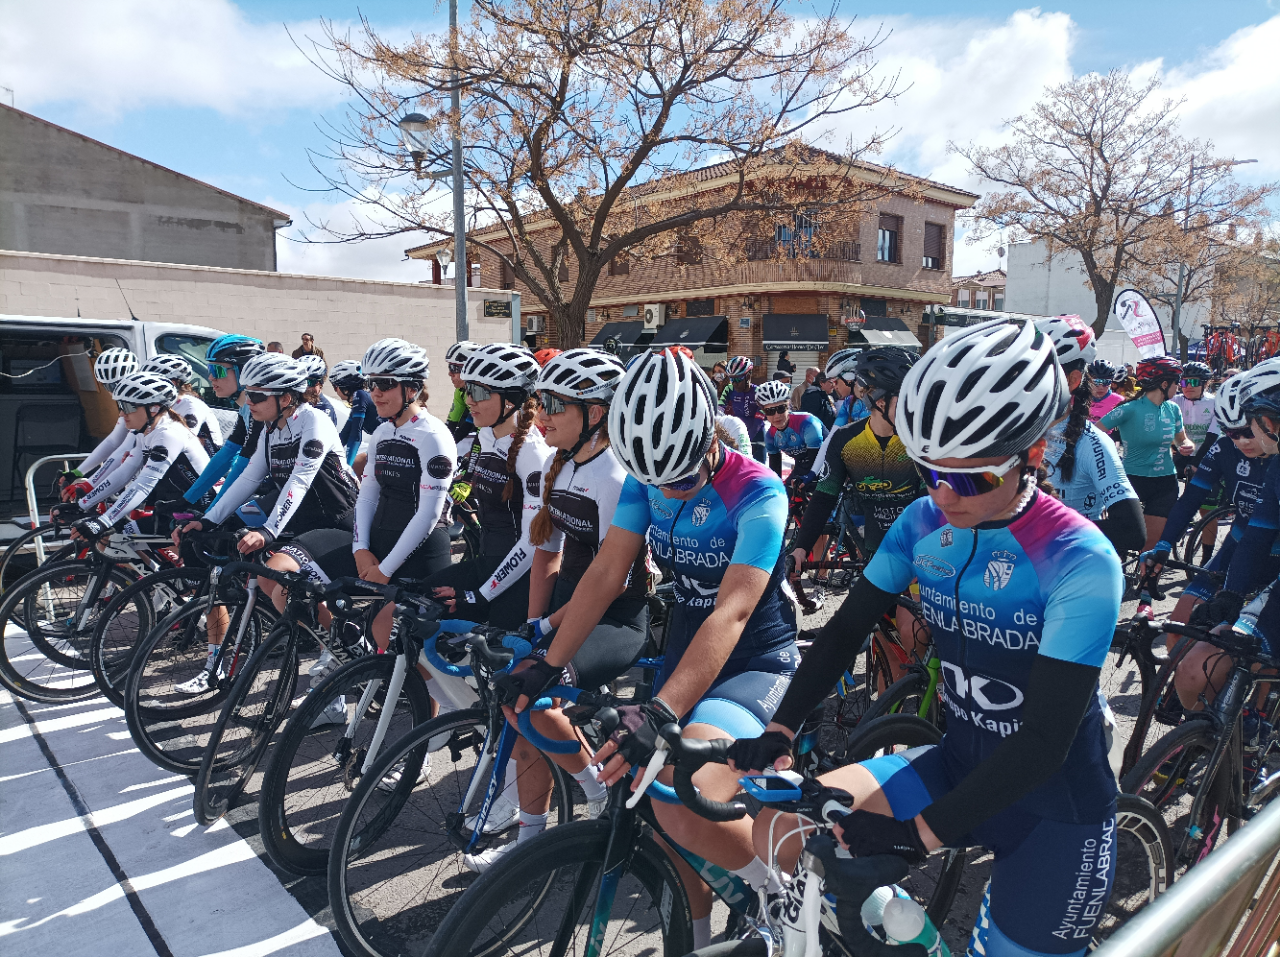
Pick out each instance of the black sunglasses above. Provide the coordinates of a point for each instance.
(455, 368)
(774, 410)
(1244, 433)
(381, 383)
(127, 407)
(257, 398)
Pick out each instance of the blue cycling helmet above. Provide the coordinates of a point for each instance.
(234, 350)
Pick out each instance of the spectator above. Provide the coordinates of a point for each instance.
(308, 347)
(275, 346)
(784, 362)
(816, 400)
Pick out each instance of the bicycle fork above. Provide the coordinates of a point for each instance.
(245, 616)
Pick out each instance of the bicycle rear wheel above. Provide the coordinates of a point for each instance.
(396, 867)
(1144, 863)
(258, 702)
(314, 770)
(907, 696)
(19, 558)
(541, 902)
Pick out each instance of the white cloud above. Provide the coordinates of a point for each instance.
(372, 259)
(131, 54)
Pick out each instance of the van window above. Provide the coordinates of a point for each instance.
(193, 349)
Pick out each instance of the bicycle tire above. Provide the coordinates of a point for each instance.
(12, 564)
(32, 663)
(1171, 775)
(1157, 701)
(1144, 864)
(549, 870)
(127, 620)
(906, 696)
(170, 728)
(258, 701)
(396, 866)
(313, 771)
(846, 712)
(1185, 549)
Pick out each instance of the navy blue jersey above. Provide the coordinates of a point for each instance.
(1259, 537)
(1241, 477)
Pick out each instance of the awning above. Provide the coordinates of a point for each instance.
(710, 333)
(624, 333)
(806, 332)
(876, 337)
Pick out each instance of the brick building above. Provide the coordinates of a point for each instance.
(782, 297)
(982, 290)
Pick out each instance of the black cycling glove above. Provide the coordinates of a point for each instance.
(471, 605)
(866, 835)
(91, 529)
(530, 682)
(1222, 607)
(758, 754)
(638, 725)
(65, 513)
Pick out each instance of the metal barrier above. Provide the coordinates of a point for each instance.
(1199, 914)
(32, 506)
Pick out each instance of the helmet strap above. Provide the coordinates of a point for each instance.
(587, 430)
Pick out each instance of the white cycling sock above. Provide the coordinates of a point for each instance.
(701, 932)
(589, 779)
(758, 875)
(531, 825)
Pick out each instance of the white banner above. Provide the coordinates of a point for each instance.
(1140, 322)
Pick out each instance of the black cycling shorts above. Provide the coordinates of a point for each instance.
(1157, 493)
(613, 645)
(325, 554)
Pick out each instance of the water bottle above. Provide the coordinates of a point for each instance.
(873, 907)
(905, 922)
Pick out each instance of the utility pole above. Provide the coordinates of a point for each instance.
(462, 268)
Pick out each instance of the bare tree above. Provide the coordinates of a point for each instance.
(586, 123)
(1099, 169)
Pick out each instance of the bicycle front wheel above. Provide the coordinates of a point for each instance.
(399, 858)
(1144, 863)
(543, 901)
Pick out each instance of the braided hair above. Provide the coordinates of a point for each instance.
(1077, 421)
(542, 528)
(523, 424)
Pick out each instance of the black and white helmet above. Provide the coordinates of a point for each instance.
(843, 364)
(772, 392)
(145, 388)
(313, 366)
(171, 366)
(113, 365)
(347, 375)
(273, 372)
(502, 367)
(991, 390)
(396, 359)
(582, 374)
(458, 353)
(663, 418)
(1072, 339)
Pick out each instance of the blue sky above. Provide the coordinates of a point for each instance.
(217, 90)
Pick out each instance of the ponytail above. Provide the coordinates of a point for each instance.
(542, 528)
(1081, 401)
(523, 424)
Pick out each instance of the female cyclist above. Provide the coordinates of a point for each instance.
(715, 520)
(1023, 595)
(1197, 407)
(165, 462)
(459, 418)
(189, 406)
(1103, 376)
(316, 371)
(842, 371)
(110, 367)
(348, 381)
(1149, 424)
(739, 399)
(580, 493)
(506, 480)
(798, 434)
(1080, 459)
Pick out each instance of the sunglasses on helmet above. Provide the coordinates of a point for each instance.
(219, 371)
(774, 410)
(968, 482)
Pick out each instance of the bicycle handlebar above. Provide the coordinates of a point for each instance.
(689, 755)
(531, 734)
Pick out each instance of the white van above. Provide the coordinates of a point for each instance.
(50, 403)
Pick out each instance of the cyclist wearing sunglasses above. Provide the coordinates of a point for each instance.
(313, 365)
(1023, 594)
(459, 418)
(1197, 407)
(797, 434)
(1102, 376)
(1081, 460)
(714, 519)
(842, 371)
(110, 367)
(189, 406)
(1149, 425)
(739, 400)
(348, 381)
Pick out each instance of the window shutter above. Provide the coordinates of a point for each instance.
(564, 271)
(935, 246)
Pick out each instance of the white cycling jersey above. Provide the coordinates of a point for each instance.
(106, 481)
(166, 463)
(405, 489)
(1198, 416)
(103, 450)
(200, 420)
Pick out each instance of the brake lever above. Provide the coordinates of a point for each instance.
(651, 772)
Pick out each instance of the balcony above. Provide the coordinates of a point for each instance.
(763, 250)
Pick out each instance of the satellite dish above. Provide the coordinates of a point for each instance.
(1000, 252)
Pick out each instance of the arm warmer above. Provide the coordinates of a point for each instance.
(218, 466)
(1183, 512)
(775, 463)
(833, 652)
(1124, 526)
(816, 514)
(238, 490)
(104, 448)
(1057, 697)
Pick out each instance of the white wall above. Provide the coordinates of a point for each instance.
(345, 315)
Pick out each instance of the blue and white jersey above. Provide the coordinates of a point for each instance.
(1098, 480)
(803, 431)
(995, 597)
(1241, 478)
(849, 410)
(738, 518)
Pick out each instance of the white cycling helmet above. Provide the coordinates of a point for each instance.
(273, 372)
(313, 366)
(145, 388)
(582, 374)
(1228, 404)
(396, 359)
(347, 375)
(1072, 339)
(1262, 380)
(991, 390)
(662, 419)
(458, 353)
(502, 367)
(171, 366)
(772, 392)
(843, 364)
(113, 365)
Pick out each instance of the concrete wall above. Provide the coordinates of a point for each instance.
(64, 193)
(345, 315)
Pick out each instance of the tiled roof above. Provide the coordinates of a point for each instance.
(994, 277)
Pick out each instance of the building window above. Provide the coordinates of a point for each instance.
(508, 275)
(630, 312)
(889, 240)
(689, 251)
(999, 302)
(875, 307)
(700, 307)
(935, 246)
(563, 275)
(980, 299)
(437, 274)
(620, 265)
(962, 298)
